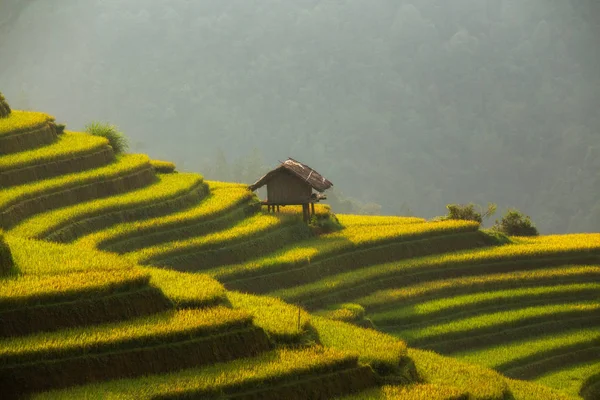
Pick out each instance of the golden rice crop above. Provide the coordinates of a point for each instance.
(251, 373)
(283, 322)
(128, 334)
(126, 164)
(223, 199)
(34, 257)
(255, 225)
(349, 220)
(479, 382)
(383, 352)
(529, 249)
(502, 318)
(523, 390)
(22, 120)
(68, 145)
(31, 290)
(165, 188)
(509, 352)
(187, 290)
(321, 210)
(163, 167)
(570, 378)
(348, 239)
(409, 294)
(417, 391)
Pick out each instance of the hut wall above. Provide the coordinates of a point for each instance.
(285, 188)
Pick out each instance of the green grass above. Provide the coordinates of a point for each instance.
(22, 120)
(570, 378)
(118, 141)
(244, 374)
(69, 145)
(153, 330)
(478, 302)
(130, 236)
(166, 188)
(473, 285)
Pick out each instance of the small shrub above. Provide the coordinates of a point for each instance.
(4, 107)
(117, 139)
(515, 223)
(468, 212)
(58, 128)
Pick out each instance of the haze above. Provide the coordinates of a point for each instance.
(405, 106)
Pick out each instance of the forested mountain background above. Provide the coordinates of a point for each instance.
(405, 105)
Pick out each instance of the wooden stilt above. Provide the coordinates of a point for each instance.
(312, 206)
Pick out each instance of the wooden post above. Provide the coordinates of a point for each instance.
(312, 206)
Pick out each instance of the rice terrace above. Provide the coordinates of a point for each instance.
(124, 278)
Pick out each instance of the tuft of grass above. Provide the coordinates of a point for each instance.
(116, 138)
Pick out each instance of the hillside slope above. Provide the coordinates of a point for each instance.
(98, 294)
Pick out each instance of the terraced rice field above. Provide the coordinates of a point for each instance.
(102, 306)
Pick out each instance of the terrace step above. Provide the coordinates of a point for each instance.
(282, 374)
(224, 206)
(558, 361)
(25, 130)
(481, 303)
(72, 152)
(478, 289)
(34, 304)
(349, 286)
(167, 194)
(526, 329)
(251, 237)
(162, 343)
(417, 391)
(348, 243)
(353, 259)
(19, 202)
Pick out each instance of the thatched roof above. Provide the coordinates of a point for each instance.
(302, 171)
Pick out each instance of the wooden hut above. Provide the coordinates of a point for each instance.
(292, 183)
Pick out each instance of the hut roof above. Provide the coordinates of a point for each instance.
(302, 171)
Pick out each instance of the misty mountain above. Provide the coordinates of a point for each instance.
(407, 105)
